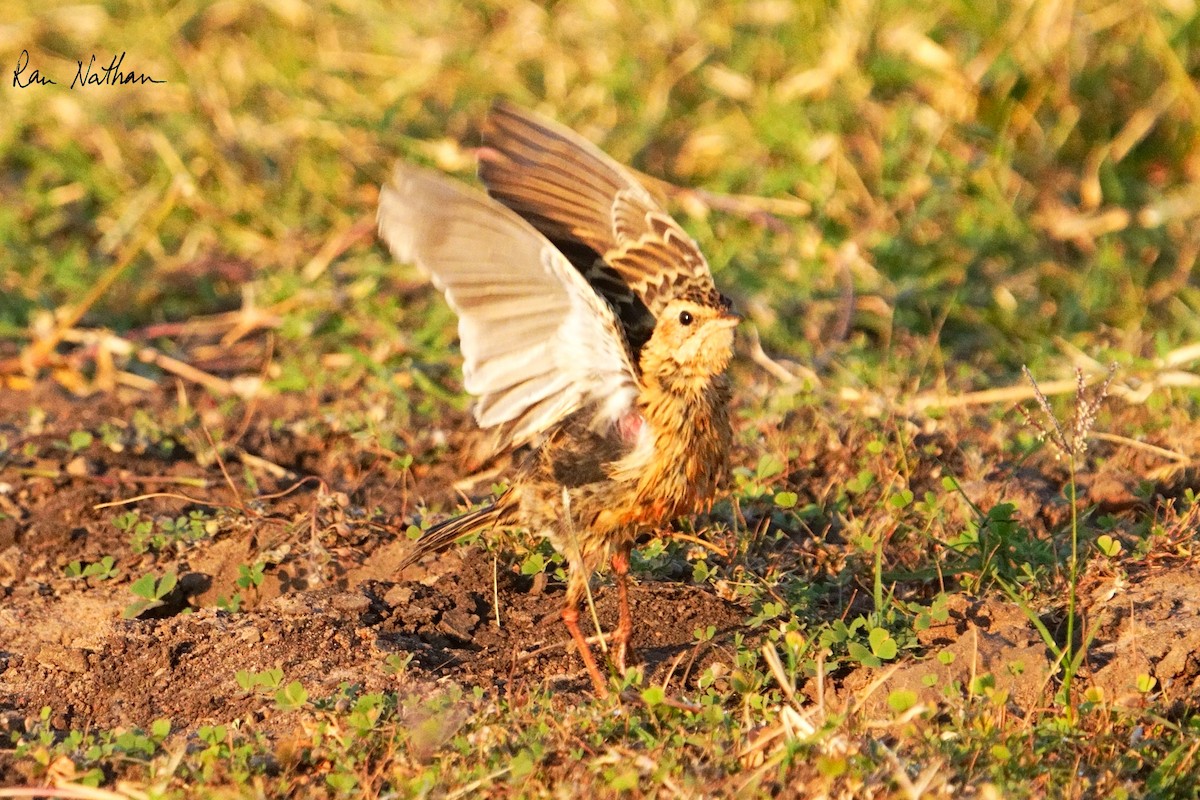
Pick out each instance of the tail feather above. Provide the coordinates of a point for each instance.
(443, 535)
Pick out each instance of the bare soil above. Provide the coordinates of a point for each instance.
(333, 610)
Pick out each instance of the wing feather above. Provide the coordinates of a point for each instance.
(571, 191)
(538, 342)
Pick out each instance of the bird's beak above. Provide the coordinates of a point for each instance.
(728, 319)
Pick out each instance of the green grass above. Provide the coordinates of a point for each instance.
(988, 185)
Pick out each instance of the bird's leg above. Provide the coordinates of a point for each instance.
(576, 584)
(571, 618)
(620, 637)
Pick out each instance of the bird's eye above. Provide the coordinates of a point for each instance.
(685, 318)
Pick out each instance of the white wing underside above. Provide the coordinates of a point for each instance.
(538, 342)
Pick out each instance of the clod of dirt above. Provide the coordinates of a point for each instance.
(1147, 625)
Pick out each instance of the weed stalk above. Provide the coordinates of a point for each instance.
(1070, 445)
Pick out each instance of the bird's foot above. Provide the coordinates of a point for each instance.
(622, 656)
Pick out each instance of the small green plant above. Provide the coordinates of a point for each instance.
(543, 559)
(860, 482)
(997, 548)
(112, 436)
(232, 604)
(397, 663)
(867, 644)
(265, 681)
(193, 526)
(151, 593)
(938, 611)
(786, 499)
(143, 743)
(79, 440)
(104, 569)
(251, 576)
(1108, 545)
(148, 535)
(291, 697)
(46, 747)
(288, 697)
(901, 700)
(533, 564)
(341, 782)
(138, 529)
(148, 433)
(754, 483)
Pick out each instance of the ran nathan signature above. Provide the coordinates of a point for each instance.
(111, 75)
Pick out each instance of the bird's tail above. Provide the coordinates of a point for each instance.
(441, 536)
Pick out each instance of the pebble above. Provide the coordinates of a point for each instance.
(67, 658)
(398, 595)
(351, 603)
(78, 467)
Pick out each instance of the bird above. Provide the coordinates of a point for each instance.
(593, 339)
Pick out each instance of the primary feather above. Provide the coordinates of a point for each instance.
(538, 342)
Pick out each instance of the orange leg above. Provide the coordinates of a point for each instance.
(570, 616)
(620, 637)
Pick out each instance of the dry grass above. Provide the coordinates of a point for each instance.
(910, 201)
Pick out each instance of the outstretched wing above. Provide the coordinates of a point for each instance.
(573, 193)
(538, 343)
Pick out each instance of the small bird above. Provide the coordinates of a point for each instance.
(593, 337)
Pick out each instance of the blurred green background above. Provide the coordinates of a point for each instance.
(983, 183)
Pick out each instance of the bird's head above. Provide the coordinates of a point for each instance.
(692, 342)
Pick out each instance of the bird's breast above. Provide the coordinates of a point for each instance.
(679, 459)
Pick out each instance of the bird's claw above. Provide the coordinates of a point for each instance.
(620, 649)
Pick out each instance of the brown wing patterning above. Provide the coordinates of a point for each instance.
(572, 192)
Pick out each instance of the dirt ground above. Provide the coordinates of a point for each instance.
(332, 609)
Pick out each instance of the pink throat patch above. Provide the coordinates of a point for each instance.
(630, 426)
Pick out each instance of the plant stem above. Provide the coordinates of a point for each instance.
(1069, 664)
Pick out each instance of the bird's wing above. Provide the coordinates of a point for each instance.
(571, 191)
(538, 343)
